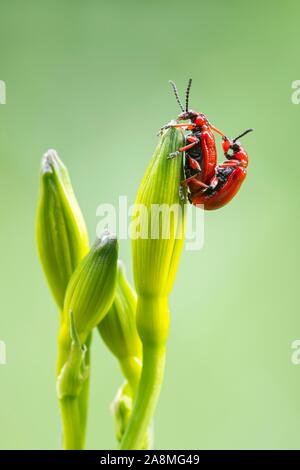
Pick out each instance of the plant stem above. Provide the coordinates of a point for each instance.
(147, 396)
(83, 399)
(73, 408)
(131, 369)
(72, 435)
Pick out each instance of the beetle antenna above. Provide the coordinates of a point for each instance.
(187, 95)
(176, 94)
(242, 135)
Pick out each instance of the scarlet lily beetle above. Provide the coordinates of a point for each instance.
(208, 184)
(227, 180)
(200, 149)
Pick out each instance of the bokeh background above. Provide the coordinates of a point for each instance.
(90, 79)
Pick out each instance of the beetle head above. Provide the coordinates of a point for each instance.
(197, 118)
(233, 144)
(226, 144)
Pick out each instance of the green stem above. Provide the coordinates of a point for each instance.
(131, 369)
(83, 399)
(147, 396)
(72, 435)
(73, 407)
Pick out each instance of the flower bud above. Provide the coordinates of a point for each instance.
(75, 370)
(118, 328)
(62, 237)
(91, 289)
(156, 257)
(122, 408)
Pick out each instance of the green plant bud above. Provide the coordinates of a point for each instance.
(156, 257)
(62, 237)
(118, 328)
(91, 289)
(121, 409)
(75, 371)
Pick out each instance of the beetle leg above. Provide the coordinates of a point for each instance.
(166, 126)
(182, 192)
(184, 126)
(188, 126)
(215, 129)
(193, 140)
(213, 183)
(179, 151)
(173, 155)
(194, 165)
(189, 146)
(193, 177)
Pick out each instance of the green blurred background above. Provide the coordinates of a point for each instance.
(90, 79)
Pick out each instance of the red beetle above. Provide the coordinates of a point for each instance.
(209, 184)
(227, 180)
(200, 149)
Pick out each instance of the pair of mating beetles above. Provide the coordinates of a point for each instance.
(208, 183)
